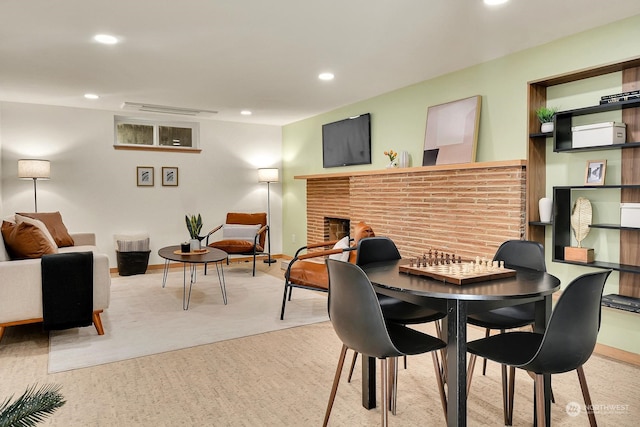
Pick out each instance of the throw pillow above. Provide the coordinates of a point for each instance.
(240, 232)
(20, 219)
(53, 222)
(342, 244)
(25, 240)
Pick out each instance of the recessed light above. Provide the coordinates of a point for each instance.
(245, 112)
(494, 2)
(326, 76)
(91, 96)
(105, 39)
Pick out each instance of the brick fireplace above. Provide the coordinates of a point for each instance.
(469, 209)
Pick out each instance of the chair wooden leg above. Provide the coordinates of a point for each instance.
(393, 383)
(353, 365)
(505, 395)
(470, 369)
(384, 399)
(541, 419)
(443, 351)
(334, 388)
(2, 328)
(511, 388)
(440, 381)
(586, 396)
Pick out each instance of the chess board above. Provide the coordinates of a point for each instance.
(442, 272)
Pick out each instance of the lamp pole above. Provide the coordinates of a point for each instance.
(268, 175)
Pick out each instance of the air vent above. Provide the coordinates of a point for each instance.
(166, 109)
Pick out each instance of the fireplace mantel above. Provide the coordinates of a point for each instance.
(390, 171)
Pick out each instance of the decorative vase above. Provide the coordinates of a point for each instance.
(404, 159)
(195, 244)
(546, 127)
(392, 164)
(545, 206)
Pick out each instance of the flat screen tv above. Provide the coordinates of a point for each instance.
(347, 142)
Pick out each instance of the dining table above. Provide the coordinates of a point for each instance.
(458, 301)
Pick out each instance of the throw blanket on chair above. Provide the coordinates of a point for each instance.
(67, 290)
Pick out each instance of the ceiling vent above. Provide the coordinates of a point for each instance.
(137, 106)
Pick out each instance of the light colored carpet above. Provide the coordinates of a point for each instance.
(144, 318)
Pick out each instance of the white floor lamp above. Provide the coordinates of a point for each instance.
(268, 175)
(34, 169)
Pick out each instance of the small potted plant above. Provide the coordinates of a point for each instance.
(545, 115)
(194, 225)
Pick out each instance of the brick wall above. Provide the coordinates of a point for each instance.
(467, 210)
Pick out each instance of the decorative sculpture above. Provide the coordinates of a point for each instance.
(581, 215)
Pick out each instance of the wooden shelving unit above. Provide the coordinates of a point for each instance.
(629, 265)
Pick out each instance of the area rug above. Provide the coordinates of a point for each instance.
(144, 318)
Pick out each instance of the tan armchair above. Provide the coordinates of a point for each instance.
(307, 269)
(243, 234)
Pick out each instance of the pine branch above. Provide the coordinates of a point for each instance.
(32, 407)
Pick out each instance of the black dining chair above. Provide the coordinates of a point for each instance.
(515, 254)
(356, 316)
(380, 249)
(567, 343)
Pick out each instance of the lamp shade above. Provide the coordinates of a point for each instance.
(32, 168)
(268, 175)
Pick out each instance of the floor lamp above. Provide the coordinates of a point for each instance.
(268, 175)
(34, 169)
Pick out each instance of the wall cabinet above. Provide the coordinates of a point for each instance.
(629, 264)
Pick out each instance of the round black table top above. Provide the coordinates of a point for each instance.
(525, 284)
(214, 255)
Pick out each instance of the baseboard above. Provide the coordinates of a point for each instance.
(617, 354)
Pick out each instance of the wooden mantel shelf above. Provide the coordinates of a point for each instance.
(476, 165)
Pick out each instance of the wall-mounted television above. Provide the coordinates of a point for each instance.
(347, 142)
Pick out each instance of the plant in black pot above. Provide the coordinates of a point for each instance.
(545, 115)
(32, 407)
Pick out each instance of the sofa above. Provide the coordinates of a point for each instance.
(24, 242)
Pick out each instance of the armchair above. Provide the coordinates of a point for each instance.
(243, 234)
(307, 269)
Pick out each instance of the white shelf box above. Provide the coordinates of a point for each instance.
(597, 134)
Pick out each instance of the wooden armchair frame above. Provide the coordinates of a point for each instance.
(300, 256)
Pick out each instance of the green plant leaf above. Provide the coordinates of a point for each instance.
(32, 407)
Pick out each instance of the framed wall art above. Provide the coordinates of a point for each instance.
(169, 176)
(595, 172)
(451, 134)
(144, 176)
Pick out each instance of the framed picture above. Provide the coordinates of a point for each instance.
(594, 174)
(169, 177)
(451, 134)
(145, 176)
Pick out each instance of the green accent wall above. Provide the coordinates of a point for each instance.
(398, 121)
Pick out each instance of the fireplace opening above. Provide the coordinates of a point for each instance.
(336, 228)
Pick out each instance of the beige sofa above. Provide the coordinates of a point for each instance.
(21, 284)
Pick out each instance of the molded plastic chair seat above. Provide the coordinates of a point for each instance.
(357, 319)
(567, 343)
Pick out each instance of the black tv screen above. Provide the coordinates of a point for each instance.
(347, 142)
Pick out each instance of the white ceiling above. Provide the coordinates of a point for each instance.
(265, 56)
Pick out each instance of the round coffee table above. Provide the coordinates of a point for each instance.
(209, 255)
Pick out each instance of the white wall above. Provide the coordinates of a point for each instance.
(94, 186)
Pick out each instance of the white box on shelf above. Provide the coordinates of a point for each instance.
(630, 215)
(597, 134)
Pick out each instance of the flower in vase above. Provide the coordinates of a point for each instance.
(391, 154)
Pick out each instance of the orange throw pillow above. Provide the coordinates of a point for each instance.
(53, 222)
(25, 240)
